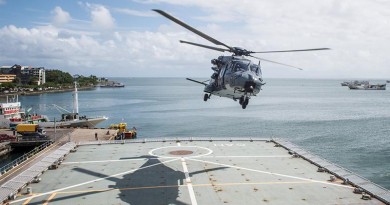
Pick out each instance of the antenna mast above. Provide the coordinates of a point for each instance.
(75, 99)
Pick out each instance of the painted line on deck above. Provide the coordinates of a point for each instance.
(184, 185)
(28, 200)
(271, 156)
(271, 173)
(102, 161)
(209, 151)
(91, 181)
(188, 179)
(50, 198)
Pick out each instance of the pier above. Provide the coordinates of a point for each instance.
(5, 148)
(187, 170)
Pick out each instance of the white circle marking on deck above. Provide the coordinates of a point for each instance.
(209, 151)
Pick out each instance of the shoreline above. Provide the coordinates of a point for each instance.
(47, 91)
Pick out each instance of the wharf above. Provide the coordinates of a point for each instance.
(5, 148)
(27, 144)
(194, 171)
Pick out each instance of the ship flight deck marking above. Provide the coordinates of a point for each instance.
(92, 181)
(188, 179)
(50, 198)
(189, 185)
(272, 173)
(103, 161)
(151, 152)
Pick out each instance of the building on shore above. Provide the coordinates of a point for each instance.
(26, 74)
(7, 78)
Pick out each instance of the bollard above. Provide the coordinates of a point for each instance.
(366, 196)
(29, 190)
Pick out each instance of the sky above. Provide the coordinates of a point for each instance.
(125, 38)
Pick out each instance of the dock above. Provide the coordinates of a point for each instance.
(5, 148)
(189, 170)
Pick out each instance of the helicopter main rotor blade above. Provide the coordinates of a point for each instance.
(181, 23)
(276, 62)
(204, 46)
(299, 50)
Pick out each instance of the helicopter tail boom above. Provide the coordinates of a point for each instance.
(203, 83)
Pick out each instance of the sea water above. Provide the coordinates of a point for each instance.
(347, 127)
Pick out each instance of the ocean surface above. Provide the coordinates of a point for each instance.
(348, 127)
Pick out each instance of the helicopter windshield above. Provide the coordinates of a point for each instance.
(255, 68)
(240, 66)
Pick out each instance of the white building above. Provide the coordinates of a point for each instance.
(28, 71)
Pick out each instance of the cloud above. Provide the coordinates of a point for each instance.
(60, 16)
(101, 17)
(358, 38)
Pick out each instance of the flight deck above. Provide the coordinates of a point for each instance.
(196, 171)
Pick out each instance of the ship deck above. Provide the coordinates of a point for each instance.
(188, 172)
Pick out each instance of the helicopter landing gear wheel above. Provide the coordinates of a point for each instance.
(241, 100)
(206, 97)
(245, 103)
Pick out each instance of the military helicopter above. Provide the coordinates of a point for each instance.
(235, 76)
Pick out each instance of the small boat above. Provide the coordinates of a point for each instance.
(112, 84)
(368, 87)
(356, 82)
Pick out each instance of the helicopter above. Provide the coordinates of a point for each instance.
(235, 76)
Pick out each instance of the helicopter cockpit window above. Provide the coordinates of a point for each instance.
(255, 68)
(240, 66)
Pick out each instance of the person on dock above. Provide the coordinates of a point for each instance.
(96, 137)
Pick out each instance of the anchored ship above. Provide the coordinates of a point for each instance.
(368, 87)
(73, 119)
(11, 114)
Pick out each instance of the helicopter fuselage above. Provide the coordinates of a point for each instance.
(234, 77)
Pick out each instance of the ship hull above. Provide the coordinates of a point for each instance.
(89, 122)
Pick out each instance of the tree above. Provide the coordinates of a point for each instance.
(58, 77)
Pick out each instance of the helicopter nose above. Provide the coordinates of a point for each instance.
(250, 83)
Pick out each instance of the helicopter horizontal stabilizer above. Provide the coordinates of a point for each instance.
(203, 83)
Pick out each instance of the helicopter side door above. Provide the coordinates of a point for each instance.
(221, 77)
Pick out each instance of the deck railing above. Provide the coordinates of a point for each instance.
(23, 158)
